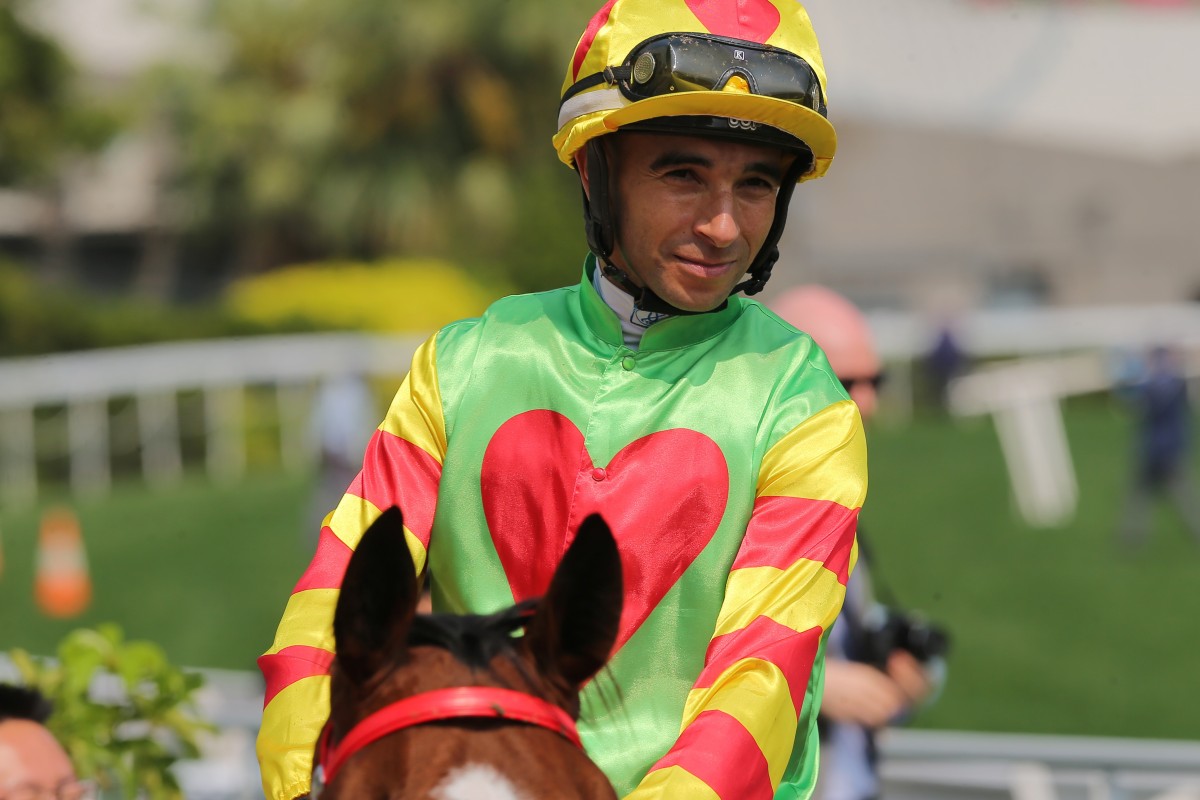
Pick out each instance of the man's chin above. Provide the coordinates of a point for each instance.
(696, 299)
(697, 305)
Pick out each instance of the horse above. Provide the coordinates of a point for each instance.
(451, 707)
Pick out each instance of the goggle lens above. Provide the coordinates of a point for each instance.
(695, 63)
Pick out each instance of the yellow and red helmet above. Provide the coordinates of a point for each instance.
(748, 69)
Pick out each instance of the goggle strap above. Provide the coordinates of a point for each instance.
(610, 76)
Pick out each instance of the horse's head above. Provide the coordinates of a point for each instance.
(400, 718)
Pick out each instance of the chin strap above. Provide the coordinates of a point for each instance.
(643, 298)
(601, 234)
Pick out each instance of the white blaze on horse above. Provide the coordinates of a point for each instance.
(432, 705)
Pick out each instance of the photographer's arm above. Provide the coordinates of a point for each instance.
(861, 694)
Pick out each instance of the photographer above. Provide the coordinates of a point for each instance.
(880, 662)
(32, 762)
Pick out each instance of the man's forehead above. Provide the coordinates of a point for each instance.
(648, 146)
(30, 753)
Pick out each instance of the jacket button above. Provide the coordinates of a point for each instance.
(598, 474)
(628, 363)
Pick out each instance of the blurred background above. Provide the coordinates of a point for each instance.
(224, 223)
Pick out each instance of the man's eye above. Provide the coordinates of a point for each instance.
(759, 188)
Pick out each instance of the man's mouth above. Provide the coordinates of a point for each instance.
(708, 269)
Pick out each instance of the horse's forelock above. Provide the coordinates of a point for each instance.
(473, 639)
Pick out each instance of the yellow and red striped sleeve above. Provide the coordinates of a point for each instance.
(784, 590)
(402, 466)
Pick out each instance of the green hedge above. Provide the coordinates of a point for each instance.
(389, 296)
(36, 319)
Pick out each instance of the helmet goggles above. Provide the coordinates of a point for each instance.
(693, 62)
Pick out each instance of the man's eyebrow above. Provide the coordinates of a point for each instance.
(681, 158)
(770, 169)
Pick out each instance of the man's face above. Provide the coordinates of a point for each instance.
(692, 212)
(31, 758)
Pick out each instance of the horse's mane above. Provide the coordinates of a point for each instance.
(476, 639)
(472, 639)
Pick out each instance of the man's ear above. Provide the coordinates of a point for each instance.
(581, 164)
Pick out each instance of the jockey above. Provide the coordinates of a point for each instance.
(712, 436)
(739, 72)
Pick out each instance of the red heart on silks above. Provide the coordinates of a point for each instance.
(662, 495)
(753, 20)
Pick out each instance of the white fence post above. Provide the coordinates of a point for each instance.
(158, 427)
(87, 437)
(18, 456)
(225, 415)
(293, 402)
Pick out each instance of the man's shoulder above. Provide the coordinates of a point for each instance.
(518, 303)
(512, 311)
(797, 365)
(769, 327)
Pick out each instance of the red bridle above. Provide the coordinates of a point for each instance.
(463, 702)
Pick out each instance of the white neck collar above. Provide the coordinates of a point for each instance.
(634, 321)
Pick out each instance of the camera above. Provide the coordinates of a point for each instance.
(885, 629)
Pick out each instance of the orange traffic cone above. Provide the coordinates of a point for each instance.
(62, 586)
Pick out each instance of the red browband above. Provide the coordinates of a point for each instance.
(463, 702)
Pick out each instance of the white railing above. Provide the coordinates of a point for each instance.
(916, 764)
(75, 390)
(79, 386)
(959, 765)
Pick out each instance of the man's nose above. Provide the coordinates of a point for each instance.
(716, 220)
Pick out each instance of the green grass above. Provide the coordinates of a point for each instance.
(202, 570)
(1055, 631)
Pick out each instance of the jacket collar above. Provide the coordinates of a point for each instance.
(670, 333)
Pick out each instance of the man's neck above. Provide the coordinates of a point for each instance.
(634, 321)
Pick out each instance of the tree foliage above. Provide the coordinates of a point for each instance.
(45, 115)
(367, 128)
(121, 710)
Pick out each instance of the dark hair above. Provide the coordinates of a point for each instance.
(22, 702)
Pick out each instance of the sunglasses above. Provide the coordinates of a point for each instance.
(875, 381)
(693, 62)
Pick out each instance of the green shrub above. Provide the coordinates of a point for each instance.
(127, 734)
(36, 319)
(391, 296)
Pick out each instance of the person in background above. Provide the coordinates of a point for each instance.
(33, 765)
(339, 429)
(1159, 398)
(944, 362)
(711, 435)
(867, 684)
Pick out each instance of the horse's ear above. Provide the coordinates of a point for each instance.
(378, 599)
(573, 632)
